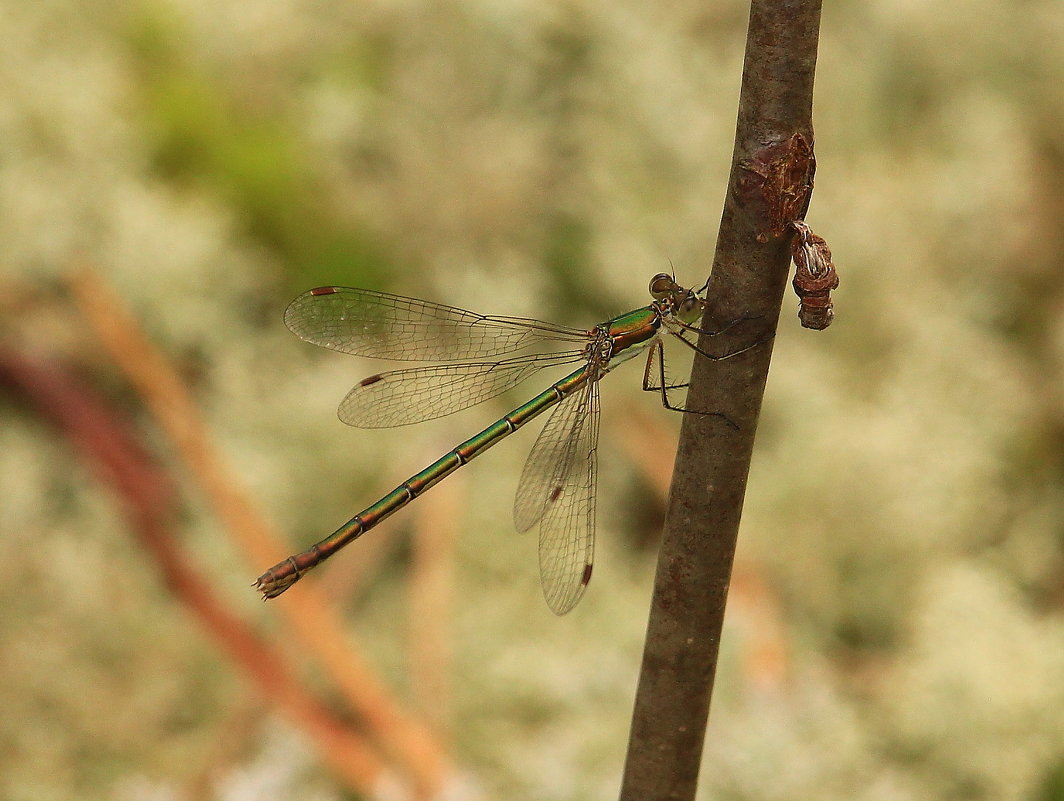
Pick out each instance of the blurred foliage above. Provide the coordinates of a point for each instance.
(905, 515)
(209, 133)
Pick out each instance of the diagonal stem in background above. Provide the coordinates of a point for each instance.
(312, 620)
(750, 269)
(112, 450)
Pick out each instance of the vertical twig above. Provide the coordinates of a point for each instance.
(771, 161)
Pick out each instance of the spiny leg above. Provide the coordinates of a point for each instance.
(663, 386)
(654, 378)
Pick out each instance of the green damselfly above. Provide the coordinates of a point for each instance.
(557, 486)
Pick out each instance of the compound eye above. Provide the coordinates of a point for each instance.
(661, 285)
(690, 303)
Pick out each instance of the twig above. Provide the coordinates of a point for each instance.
(763, 650)
(771, 161)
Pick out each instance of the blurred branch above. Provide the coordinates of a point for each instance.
(313, 621)
(771, 162)
(435, 524)
(148, 497)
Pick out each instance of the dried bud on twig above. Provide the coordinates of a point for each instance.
(814, 279)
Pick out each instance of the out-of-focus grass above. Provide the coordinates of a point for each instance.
(905, 511)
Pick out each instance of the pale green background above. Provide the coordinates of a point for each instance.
(905, 514)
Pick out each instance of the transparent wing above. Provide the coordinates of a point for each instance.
(368, 323)
(557, 490)
(403, 397)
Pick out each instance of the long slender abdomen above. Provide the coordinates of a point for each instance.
(284, 574)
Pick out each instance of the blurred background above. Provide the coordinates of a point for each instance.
(896, 623)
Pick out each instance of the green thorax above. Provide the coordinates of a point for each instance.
(646, 321)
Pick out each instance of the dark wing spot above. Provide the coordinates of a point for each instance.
(373, 379)
(587, 575)
(555, 494)
(324, 290)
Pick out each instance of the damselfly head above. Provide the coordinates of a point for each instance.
(684, 303)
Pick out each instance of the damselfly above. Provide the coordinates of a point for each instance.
(557, 486)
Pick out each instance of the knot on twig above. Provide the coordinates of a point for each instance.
(776, 183)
